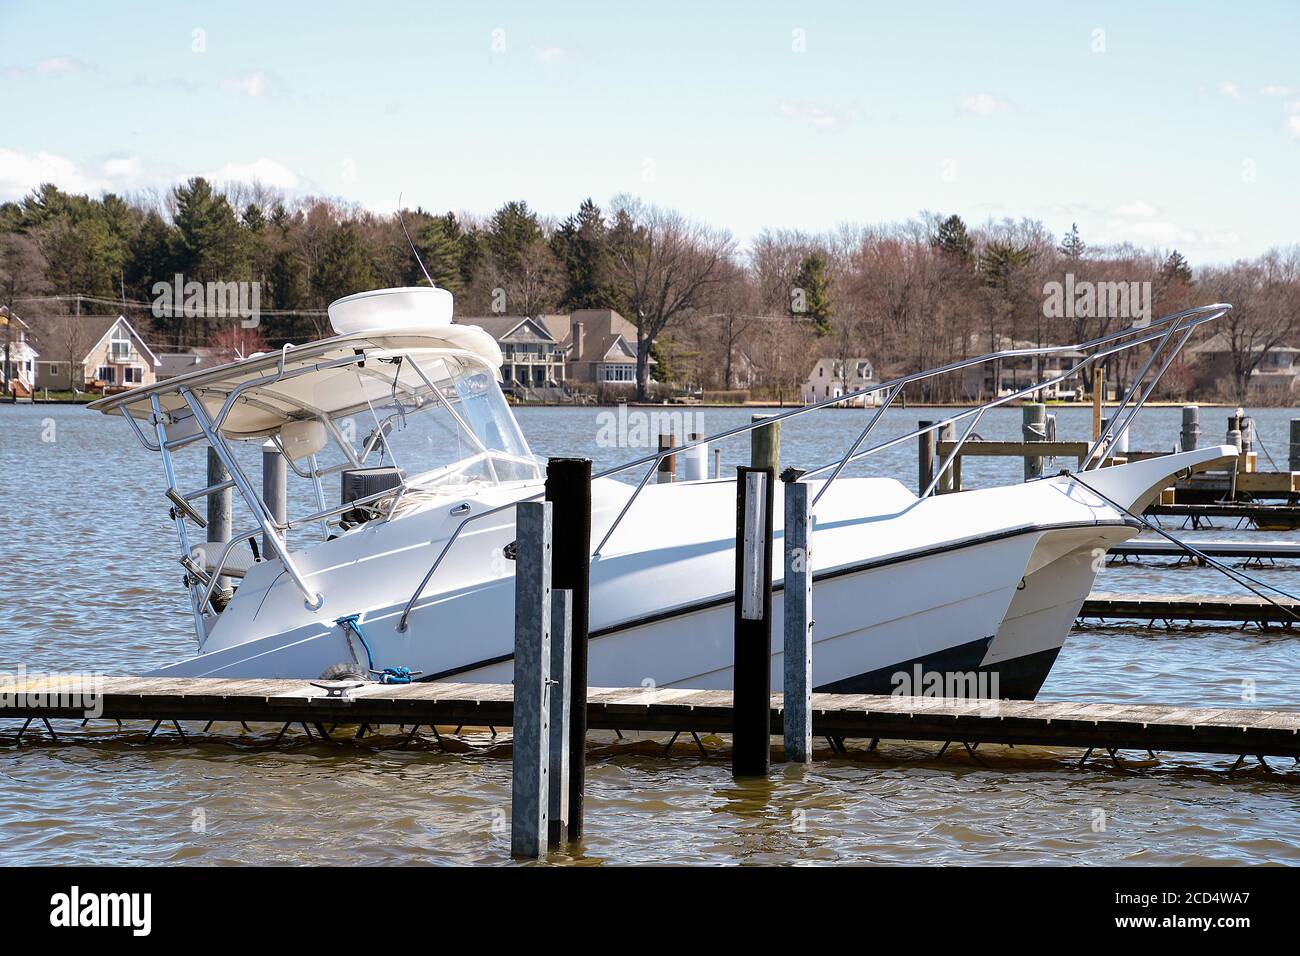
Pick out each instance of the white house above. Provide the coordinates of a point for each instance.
(831, 378)
(18, 374)
(92, 352)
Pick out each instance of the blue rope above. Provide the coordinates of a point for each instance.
(395, 675)
(353, 622)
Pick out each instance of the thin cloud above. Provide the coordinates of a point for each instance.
(1276, 90)
(549, 55)
(1136, 209)
(265, 171)
(253, 85)
(982, 104)
(819, 116)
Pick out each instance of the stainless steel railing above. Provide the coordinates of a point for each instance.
(1159, 330)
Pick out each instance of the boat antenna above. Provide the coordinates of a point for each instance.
(415, 252)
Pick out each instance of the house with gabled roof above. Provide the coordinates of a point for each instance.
(530, 355)
(18, 366)
(599, 346)
(91, 352)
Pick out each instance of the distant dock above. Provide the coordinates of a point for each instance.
(1191, 607)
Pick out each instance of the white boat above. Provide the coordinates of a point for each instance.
(415, 570)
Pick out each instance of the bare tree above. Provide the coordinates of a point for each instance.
(665, 263)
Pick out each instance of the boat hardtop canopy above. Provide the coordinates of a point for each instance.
(256, 396)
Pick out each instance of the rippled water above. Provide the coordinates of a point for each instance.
(88, 580)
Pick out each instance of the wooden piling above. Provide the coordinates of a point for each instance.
(1033, 427)
(275, 488)
(529, 785)
(667, 464)
(765, 445)
(924, 458)
(1191, 431)
(946, 483)
(798, 623)
(752, 636)
(1294, 462)
(561, 664)
(568, 488)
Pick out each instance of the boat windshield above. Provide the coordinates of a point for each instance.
(441, 420)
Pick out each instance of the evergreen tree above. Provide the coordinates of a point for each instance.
(344, 266)
(1176, 268)
(150, 258)
(209, 242)
(952, 238)
(581, 245)
(513, 229)
(812, 292)
(1072, 246)
(439, 243)
(1000, 261)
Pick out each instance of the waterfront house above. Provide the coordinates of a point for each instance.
(1004, 376)
(91, 352)
(1272, 381)
(599, 346)
(18, 372)
(171, 364)
(530, 354)
(832, 377)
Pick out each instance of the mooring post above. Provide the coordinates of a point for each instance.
(765, 445)
(797, 593)
(1033, 427)
(1294, 462)
(924, 458)
(751, 721)
(717, 463)
(695, 460)
(529, 788)
(1098, 398)
(1191, 432)
(219, 504)
(561, 662)
(667, 464)
(275, 488)
(946, 484)
(1234, 433)
(568, 488)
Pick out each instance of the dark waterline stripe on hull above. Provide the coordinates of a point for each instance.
(823, 576)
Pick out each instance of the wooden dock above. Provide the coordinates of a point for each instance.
(1247, 550)
(1267, 517)
(168, 701)
(1190, 607)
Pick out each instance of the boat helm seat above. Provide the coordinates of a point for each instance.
(208, 553)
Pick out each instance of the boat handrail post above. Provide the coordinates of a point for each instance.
(797, 596)
(270, 535)
(178, 517)
(568, 489)
(751, 710)
(529, 785)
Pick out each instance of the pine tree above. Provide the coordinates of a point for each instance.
(1072, 246)
(209, 242)
(344, 266)
(812, 292)
(1176, 268)
(581, 244)
(952, 238)
(512, 230)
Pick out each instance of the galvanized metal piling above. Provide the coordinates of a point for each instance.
(695, 460)
(752, 636)
(561, 662)
(1191, 431)
(529, 784)
(219, 506)
(717, 463)
(568, 488)
(924, 458)
(275, 489)
(1033, 427)
(797, 606)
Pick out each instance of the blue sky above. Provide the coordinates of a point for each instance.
(1170, 124)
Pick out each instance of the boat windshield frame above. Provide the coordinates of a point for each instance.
(458, 383)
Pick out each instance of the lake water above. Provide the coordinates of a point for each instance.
(88, 581)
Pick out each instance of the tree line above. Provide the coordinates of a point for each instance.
(713, 314)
